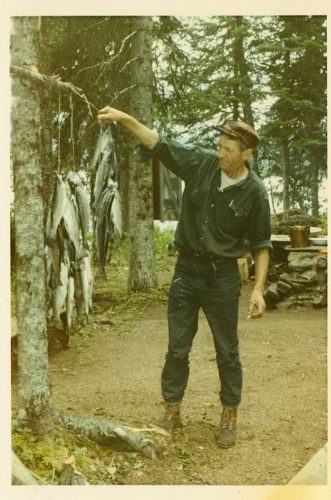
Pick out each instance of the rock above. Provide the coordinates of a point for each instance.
(298, 287)
(284, 305)
(286, 277)
(310, 276)
(321, 300)
(283, 288)
(271, 293)
(301, 261)
(322, 262)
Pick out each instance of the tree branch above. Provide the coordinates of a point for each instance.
(127, 64)
(112, 59)
(50, 81)
(122, 91)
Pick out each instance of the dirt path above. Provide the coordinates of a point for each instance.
(113, 371)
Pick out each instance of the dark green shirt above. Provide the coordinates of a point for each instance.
(215, 222)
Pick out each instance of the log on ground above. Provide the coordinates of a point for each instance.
(105, 432)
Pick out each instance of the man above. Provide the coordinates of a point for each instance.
(224, 205)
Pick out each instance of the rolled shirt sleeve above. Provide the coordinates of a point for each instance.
(182, 159)
(260, 227)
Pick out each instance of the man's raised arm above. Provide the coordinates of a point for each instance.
(145, 135)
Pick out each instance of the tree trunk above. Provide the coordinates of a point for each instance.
(286, 174)
(35, 404)
(142, 274)
(245, 88)
(46, 116)
(314, 186)
(119, 79)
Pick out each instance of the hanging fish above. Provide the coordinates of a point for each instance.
(70, 302)
(78, 293)
(71, 223)
(84, 272)
(108, 166)
(102, 229)
(57, 209)
(84, 213)
(59, 298)
(83, 281)
(87, 261)
(102, 142)
(116, 213)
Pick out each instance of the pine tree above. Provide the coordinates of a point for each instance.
(296, 121)
(35, 402)
(142, 273)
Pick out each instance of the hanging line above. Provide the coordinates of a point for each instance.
(72, 131)
(59, 135)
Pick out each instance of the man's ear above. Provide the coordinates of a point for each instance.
(247, 153)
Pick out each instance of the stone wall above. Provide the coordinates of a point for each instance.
(301, 281)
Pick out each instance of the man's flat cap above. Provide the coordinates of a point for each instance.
(240, 130)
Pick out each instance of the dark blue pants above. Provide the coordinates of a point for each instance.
(216, 289)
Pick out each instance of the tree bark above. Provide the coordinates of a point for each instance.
(286, 174)
(119, 77)
(35, 403)
(314, 186)
(245, 87)
(106, 432)
(142, 274)
(46, 116)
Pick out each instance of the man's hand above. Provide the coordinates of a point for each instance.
(145, 135)
(256, 305)
(110, 115)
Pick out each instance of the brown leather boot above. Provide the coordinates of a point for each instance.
(171, 419)
(226, 434)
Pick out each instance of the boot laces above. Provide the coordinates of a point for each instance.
(228, 420)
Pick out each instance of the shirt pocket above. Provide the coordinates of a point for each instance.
(232, 219)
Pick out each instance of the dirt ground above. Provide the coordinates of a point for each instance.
(112, 370)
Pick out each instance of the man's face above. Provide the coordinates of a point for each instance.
(231, 157)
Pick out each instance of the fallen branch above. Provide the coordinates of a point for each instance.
(105, 431)
(152, 428)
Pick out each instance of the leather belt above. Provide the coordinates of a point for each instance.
(209, 259)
